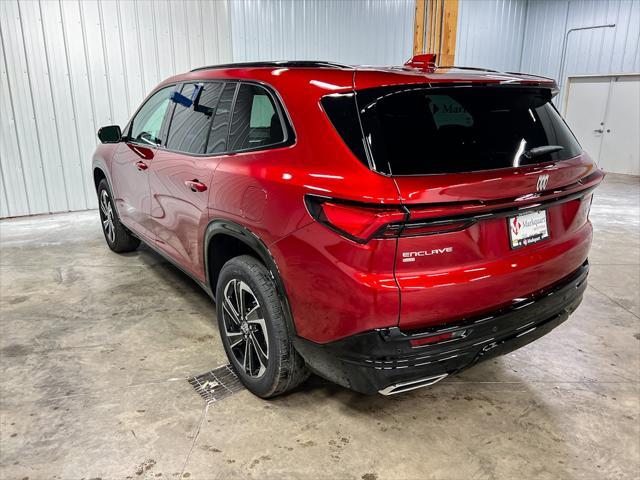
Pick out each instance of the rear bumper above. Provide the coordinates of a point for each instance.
(378, 360)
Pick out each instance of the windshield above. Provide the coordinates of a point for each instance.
(418, 131)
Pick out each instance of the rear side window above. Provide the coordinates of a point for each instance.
(220, 126)
(147, 124)
(342, 110)
(255, 122)
(418, 131)
(189, 128)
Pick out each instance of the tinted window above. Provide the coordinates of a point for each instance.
(427, 131)
(146, 126)
(342, 110)
(255, 121)
(189, 126)
(220, 126)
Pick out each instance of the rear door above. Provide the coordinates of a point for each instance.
(181, 173)
(489, 176)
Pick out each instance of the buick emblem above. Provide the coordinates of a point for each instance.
(542, 182)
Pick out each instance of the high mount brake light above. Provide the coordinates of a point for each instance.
(359, 223)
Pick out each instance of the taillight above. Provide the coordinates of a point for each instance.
(357, 222)
(430, 228)
(362, 222)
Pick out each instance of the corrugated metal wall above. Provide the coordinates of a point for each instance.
(490, 33)
(528, 35)
(347, 31)
(600, 51)
(69, 67)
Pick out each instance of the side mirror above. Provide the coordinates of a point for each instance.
(110, 134)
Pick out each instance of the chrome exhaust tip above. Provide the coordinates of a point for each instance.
(412, 385)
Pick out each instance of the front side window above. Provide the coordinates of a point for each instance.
(418, 131)
(189, 128)
(146, 125)
(255, 122)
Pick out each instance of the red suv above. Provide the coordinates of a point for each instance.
(381, 227)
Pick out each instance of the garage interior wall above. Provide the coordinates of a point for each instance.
(345, 31)
(528, 35)
(69, 67)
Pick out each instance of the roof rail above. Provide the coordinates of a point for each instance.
(278, 63)
(477, 69)
(531, 75)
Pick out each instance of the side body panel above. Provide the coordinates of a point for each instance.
(130, 182)
(178, 214)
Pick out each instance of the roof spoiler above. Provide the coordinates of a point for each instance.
(425, 62)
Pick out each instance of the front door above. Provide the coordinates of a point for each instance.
(180, 174)
(132, 159)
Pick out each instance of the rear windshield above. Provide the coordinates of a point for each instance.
(419, 131)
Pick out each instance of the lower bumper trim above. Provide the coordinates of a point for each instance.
(385, 361)
(412, 385)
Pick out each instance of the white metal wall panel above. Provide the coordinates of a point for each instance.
(528, 35)
(14, 198)
(489, 33)
(74, 170)
(216, 30)
(347, 31)
(71, 66)
(22, 111)
(599, 51)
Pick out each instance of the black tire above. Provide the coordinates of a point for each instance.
(118, 238)
(284, 369)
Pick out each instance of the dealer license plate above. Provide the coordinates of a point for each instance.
(527, 228)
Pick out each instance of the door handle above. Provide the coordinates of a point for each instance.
(141, 166)
(598, 130)
(196, 185)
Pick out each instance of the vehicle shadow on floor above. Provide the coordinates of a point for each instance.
(489, 402)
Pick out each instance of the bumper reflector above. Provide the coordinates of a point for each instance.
(438, 338)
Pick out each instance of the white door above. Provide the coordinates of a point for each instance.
(604, 113)
(586, 108)
(620, 152)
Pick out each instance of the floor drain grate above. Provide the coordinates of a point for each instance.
(217, 384)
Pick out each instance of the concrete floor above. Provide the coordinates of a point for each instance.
(95, 348)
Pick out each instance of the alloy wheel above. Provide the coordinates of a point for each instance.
(106, 215)
(245, 328)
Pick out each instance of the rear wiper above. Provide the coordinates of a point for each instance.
(543, 150)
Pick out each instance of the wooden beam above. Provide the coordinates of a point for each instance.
(435, 29)
(418, 27)
(436, 15)
(447, 50)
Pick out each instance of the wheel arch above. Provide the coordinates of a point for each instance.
(236, 239)
(100, 172)
(98, 176)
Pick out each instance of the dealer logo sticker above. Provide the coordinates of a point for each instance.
(515, 226)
